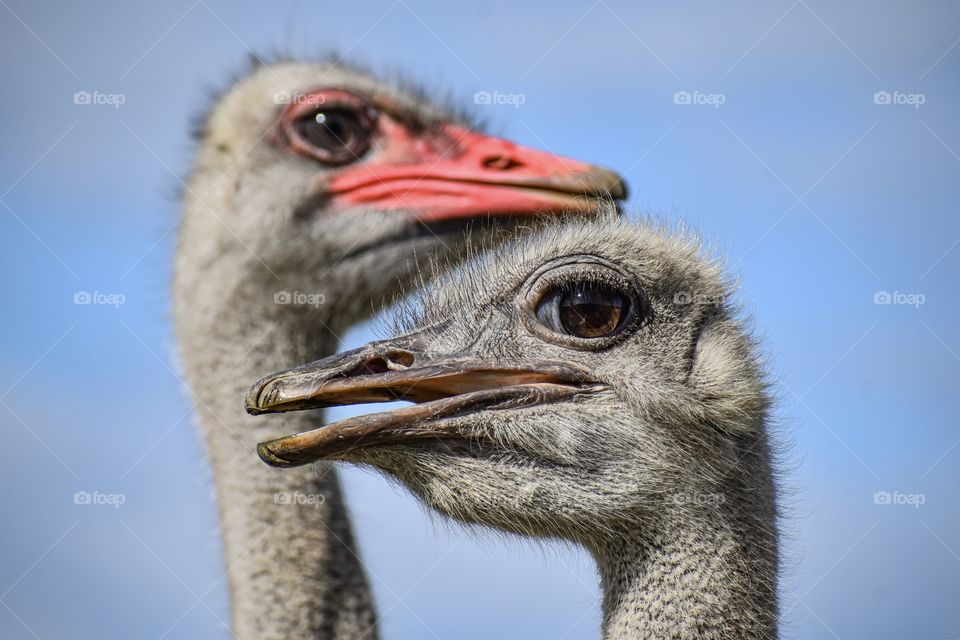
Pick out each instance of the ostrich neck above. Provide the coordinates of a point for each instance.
(291, 558)
(707, 575)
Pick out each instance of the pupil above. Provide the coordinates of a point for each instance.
(592, 311)
(335, 130)
(332, 129)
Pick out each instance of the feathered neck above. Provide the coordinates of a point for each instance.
(291, 559)
(709, 571)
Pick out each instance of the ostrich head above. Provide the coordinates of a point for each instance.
(303, 166)
(576, 384)
(590, 383)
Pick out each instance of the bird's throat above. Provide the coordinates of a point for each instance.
(707, 574)
(290, 555)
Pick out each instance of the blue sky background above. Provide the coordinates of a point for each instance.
(820, 196)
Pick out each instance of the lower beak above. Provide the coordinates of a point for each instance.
(381, 372)
(487, 176)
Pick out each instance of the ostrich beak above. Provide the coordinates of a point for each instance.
(481, 175)
(441, 386)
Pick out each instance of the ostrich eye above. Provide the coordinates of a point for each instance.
(336, 135)
(584, 310)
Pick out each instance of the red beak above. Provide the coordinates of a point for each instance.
(483, 175)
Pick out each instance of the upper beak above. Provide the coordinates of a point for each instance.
(442, 386)
(486, 176)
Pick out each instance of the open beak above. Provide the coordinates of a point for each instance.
(483, 175)
(442, 387)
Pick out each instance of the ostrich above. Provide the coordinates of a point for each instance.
(588, 383)
(314, 188)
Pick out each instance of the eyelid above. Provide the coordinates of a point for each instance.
(300, 104)
(554, 280)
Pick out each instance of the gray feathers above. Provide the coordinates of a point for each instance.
(665, 476)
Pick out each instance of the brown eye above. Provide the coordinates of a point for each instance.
(335, 135)
(584, 310)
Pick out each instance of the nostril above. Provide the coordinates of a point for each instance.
(501, 163)
(399, 360)
(374, 365)
(393, 361)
